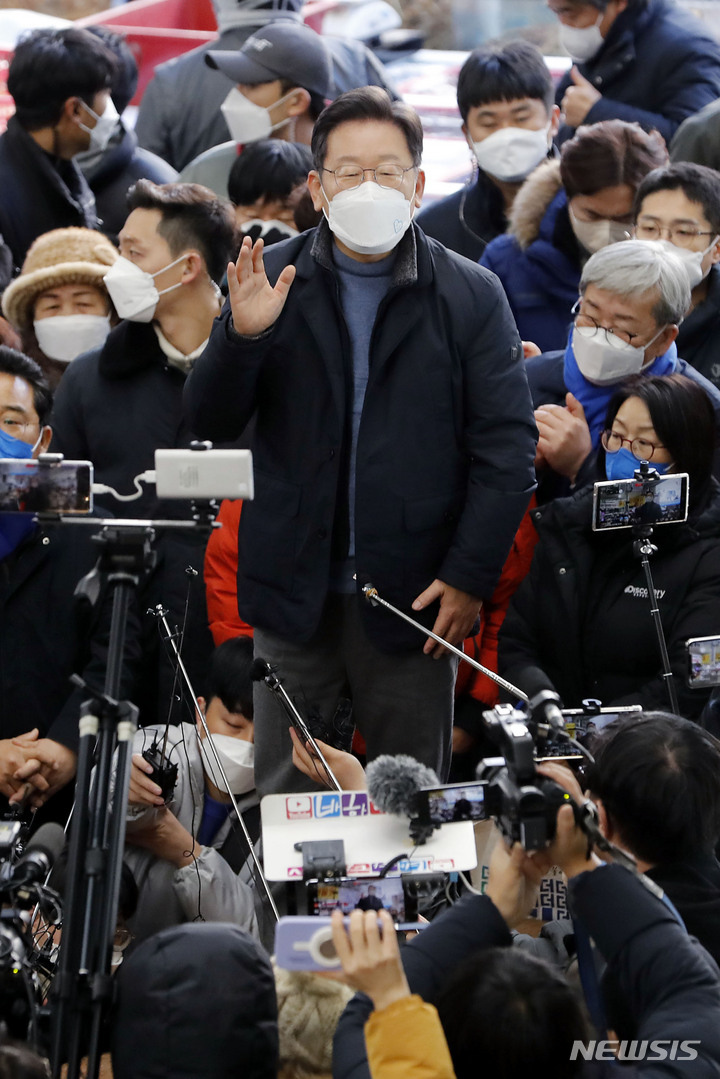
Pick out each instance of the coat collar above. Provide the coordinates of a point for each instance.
(129, 348)
(412, 265)
(36, 159)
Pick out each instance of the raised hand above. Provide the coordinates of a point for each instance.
(565, 439)
(578, 99)
(254, 303)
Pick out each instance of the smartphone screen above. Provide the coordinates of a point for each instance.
(703, 661)
(28, 486)
(626, 503)
(456, 802)
(369, 893)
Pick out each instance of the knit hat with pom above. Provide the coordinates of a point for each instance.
(61, 257)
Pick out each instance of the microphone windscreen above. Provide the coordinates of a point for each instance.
(50, 839)
(393, 782)
(258, 669)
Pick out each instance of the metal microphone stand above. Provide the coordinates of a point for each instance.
(643, 548)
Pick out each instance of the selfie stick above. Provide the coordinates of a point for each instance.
(161, 614)
(371, 595)
(642, 549)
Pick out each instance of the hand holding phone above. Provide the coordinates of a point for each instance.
(370, 956)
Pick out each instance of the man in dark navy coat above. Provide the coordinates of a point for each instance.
(393, 443)
(643, 60)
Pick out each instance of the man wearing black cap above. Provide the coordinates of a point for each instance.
(180, 114)
(282, 77)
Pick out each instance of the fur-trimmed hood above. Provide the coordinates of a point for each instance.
(532, 201)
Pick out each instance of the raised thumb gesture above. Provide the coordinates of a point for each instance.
(254, 303)
(573, 406)
(579, 98)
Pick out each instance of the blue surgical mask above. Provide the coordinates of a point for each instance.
(622, 464)
(14, 447)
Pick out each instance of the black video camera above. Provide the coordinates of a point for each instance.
(522, 802)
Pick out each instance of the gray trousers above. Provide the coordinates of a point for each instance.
(402, 702)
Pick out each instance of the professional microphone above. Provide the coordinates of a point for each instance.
(40, 855)
(259, 669)
(393, 783)
(544, 707)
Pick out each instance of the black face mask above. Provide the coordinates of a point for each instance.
(270, 231)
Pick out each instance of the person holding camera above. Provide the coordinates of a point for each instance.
(580, 621)
(460, 997)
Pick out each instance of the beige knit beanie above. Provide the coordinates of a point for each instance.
(60, 257)
(309, 1008)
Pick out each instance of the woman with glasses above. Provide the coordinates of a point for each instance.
(581, 621)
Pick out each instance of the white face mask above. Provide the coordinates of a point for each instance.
(604, 360)
(133, 291)
(247, 121)
(593, 235)
(691, 260)
(582, 42)
(369, 219)
(512, 153)
(237, 757)
(104, 129)
(63, 337)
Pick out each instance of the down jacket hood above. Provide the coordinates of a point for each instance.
(532, 201)
(196, 1002)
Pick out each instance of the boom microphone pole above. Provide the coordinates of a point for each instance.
(161, 614)
(371, 595)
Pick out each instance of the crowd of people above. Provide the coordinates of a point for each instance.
(431, 394)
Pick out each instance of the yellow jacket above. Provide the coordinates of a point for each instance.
(406, 1041)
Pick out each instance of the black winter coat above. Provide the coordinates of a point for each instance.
(39, 192)
(669, 982)
(467, 220)
(46, 635)
(698, 340)
(115, 406)
(196, 1000)
(445, 449)
(657, 66)
(580, 622)
(120, 166)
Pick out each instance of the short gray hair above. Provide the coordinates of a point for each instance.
(635, 267)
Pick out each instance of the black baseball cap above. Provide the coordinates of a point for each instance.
(281, 50)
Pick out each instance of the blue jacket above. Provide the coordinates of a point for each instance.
(657, 66)
(541, 278)
(445, 451)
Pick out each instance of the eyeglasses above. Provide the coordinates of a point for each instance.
(349, 176)
(639, 447)
(612, 336)
(680, 235)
